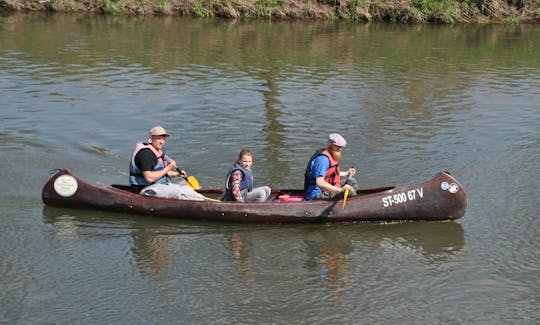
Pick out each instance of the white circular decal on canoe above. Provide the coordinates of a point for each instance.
(65, 185)
(444, 186)
(453, 188)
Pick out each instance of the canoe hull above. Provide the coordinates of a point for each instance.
(441, 198)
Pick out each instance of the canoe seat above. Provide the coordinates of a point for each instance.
(125, 188)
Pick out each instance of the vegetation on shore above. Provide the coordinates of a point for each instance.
(401, 11)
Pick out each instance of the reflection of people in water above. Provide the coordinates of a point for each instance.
(329, 258)
(333, 265)
(154, 251)
(239, 254)
(328, 253)
(328, 249)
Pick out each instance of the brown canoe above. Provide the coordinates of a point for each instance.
(441, 198)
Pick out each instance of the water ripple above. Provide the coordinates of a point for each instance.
(78, 92)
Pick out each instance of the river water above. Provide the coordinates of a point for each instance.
(78, 92)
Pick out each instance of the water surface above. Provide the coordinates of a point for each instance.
(78, 92)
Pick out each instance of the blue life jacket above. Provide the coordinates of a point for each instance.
(247, 181)
(135, 174)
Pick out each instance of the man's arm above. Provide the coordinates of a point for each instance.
(146, 160)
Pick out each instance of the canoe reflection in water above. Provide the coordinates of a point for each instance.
(152, 248)
(331, 250)
(333, 254)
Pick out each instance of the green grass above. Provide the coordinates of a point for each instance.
(397, 11)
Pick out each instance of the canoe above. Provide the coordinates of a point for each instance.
(440, 198)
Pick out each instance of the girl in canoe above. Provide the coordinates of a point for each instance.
(239, 181)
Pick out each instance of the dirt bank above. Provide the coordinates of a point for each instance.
(399, 11)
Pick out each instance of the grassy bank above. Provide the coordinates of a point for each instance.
(401, 11)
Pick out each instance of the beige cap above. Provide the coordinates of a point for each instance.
(337, 140)
(158, 130)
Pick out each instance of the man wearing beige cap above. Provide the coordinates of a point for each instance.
(322, 179)
(150, 169)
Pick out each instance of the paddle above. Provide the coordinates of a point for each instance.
(345, 197)
(191, 181)
(346, 191)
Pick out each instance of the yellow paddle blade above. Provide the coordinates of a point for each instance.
(345, 197)
(193, 182)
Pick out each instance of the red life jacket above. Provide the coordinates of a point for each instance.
(332, 174)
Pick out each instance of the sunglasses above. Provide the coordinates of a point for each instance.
(336, 148)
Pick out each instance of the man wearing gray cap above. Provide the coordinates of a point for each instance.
(322, 179)
(150, 169)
